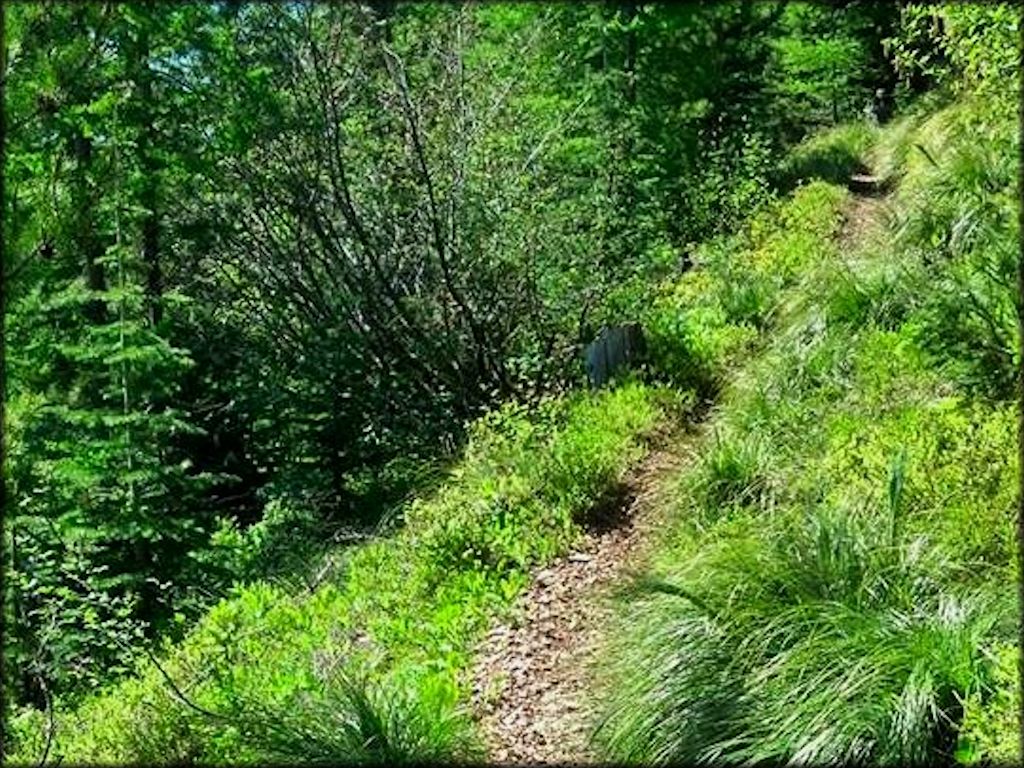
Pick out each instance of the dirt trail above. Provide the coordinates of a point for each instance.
(532, 674)
(862, 221)
(866, 211)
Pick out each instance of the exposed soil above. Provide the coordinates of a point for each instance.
(532, 674)
(531, 681)
(865, 212)
(863, 221)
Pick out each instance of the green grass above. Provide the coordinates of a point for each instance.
(813, 638)
(838, 585)
(372, 665)
(699, 325)
(832, 155)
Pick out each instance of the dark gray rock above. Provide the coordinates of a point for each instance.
(615, 348)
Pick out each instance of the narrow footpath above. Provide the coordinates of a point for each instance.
(533, 673)
(532, 679)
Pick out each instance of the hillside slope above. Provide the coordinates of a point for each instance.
(832, 584)
(372, 664)
(839, 581)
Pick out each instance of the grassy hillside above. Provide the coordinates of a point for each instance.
(840, 581)
(276, 675)
(834, 585)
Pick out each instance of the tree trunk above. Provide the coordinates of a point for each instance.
(148, 139)
(383, 10)
(85, 238)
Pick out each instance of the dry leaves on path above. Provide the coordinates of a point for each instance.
(531, 680)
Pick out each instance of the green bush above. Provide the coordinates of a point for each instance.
(370, 666)
(699, 325)
(960, 473)
(961, 48)
(832, 155)
(991, 726)
(692, 345)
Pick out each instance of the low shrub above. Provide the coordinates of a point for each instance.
(370, 665)
(832, 155)
(990, 734)
(699, 325)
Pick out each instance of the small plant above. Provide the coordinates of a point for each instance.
(990, 734)
(355, 722)
(882, 295)
(734, 471)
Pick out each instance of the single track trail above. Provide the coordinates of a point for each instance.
(533, 676)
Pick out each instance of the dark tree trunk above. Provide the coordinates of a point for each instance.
(85, 237)
(148, 140)
(627, 149)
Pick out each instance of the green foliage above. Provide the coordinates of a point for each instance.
(268, 264)
(355, 723)
(511, 510)
(832, 155)
(283, 543)
(702, 322)
(879, 292)
(733, 472)
(973, 48)
(402, 612)
(814, 639)
(834, 589)
(959, 215)
(104, 513)
(103, 493)
(991, 726)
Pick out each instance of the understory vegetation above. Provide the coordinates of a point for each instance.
(297, 303)
(367, 665)
(839, 582)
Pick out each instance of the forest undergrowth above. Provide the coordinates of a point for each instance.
(296, 410)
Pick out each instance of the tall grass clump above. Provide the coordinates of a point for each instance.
(733, 471)
(958, 214)
(818, 638)
(371, 664)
